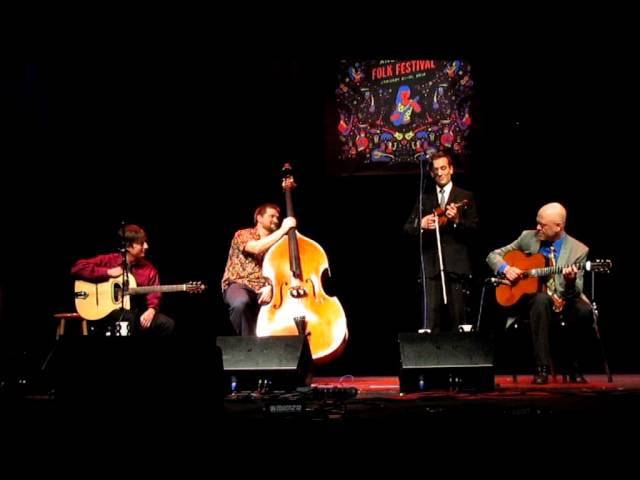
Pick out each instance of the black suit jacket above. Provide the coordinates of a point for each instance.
(455, 239)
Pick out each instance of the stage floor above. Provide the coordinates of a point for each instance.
(369, 410)
(379, 398)
(328, 400)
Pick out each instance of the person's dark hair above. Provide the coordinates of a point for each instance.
(262, 209)
(438, 155)
(132, 234)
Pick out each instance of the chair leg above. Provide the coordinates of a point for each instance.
(602, 352)
(85, 330)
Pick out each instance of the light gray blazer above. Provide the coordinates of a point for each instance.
(573, 251)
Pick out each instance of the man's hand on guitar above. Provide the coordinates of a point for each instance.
(115, 272)
(512, 273)
(570, 273)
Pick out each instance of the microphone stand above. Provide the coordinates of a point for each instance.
(493, 281)
(125, 280)
(484, 289)
(423, 268)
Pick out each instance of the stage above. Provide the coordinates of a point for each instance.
(379, 398)
(347, 398)
(272, 379)
(366, 418)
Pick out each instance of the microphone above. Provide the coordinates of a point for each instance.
(497, 281)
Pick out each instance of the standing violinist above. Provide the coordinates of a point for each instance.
(455, 212)
(244, 287)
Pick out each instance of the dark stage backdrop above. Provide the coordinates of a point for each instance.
(188, 151)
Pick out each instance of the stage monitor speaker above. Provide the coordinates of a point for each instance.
(266, 363)
(452, 361)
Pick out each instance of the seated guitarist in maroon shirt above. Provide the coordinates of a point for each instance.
(144, 316)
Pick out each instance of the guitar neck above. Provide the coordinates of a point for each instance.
(546, 271)
(157, 288)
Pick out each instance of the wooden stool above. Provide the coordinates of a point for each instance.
(63, 317)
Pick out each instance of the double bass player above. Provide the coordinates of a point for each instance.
(277, 274)
(244, 287)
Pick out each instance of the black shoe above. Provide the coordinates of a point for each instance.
(542, 375)
(577, 377)
(574, 374)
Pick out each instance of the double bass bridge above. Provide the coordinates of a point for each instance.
(297, 292)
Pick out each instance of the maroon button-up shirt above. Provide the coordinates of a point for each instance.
(95, 270)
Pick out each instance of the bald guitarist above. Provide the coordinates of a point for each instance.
(563, 290)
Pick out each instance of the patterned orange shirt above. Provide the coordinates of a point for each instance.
(244, 267)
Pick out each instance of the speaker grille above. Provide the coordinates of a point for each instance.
(266, 363)
(456, 361)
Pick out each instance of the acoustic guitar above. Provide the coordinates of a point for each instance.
(534, 267)
(97, 300)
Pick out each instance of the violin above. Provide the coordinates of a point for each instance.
(441, 212)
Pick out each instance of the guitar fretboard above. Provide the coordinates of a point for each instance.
(159, 288)
(544, 272)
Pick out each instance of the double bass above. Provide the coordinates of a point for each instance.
(295, 265)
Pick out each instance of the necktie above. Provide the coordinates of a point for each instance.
(551, 281)
(443, 199)
(558, 303)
